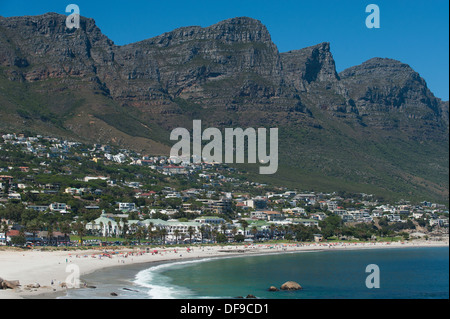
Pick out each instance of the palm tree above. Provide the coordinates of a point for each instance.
(176, 233)
(93, 230)
(125, 229)
(234, 231)
(214, 233)
(22, 235)
(272, 230)
(150, 229)
(280, 230)
(244, 224)
(288, 230)
(254, 231)
(202, 231)
(80, 229)
(65, 229)
(208, 231)
(4, 229)
(191, 232)
(33, 226)
(139, 234)
(223, 227)
(133, 229)
(119, 228)
(50, 234)
(109, 228)
(103, 230)
(150, 234)
(163, 233)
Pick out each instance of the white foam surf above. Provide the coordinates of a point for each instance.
(160, 286)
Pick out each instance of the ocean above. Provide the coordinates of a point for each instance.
(404, 273)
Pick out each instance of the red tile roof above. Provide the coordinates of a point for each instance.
(12, 233)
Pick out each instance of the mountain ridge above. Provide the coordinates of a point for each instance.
(78, 83)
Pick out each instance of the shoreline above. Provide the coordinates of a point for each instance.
(48, 268)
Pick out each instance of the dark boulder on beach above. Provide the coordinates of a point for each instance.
(9, 284)
(113, 294)
(250, 297)
(34, 286)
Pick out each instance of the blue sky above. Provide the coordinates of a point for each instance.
(414, 32)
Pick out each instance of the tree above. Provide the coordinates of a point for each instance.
(234, 231)
(244, 224)
(139, 234)
(221, 238)
(331, 226)
(4, 228)
(12, 212)
(405, 235)
(50, 234)
(191, 232)
(176, 232)
(65, 229)
(150, 231)
(203, 230)
(125, 230)
(272, 230)
(303, 233)
(80, 229)
(214, 233)
(150, 234)
(223, 227)
(109, 228)
(254, 231)
(33, 226)
(18, 240)
(163, 233)
(288, 237)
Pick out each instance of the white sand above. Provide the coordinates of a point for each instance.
(43, 267)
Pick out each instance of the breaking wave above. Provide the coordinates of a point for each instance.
(160, 286)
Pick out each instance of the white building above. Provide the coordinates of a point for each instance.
(59, 207)
(211, 220)
(106, 226)
(127, 206)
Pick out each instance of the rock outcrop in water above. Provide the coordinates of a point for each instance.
(290, 285)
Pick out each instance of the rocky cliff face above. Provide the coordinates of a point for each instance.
(78, 82)
(232, 64)
(208, 65)
(304, 67)
(381, 88)
(42, 47)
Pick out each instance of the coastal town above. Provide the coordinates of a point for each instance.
(55, 192)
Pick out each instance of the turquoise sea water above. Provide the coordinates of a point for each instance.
(405, 273)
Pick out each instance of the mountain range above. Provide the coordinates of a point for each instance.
(372, 128)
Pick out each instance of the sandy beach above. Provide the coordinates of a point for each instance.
(52, 273)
